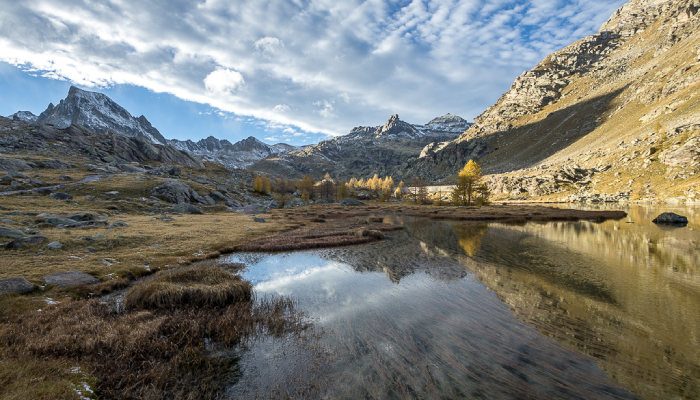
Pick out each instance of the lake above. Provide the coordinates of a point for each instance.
(578, 310)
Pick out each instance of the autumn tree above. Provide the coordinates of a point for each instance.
(261, 184)
(400, 190)
(306, 187)
(468, 181)
(387, 187)
(327, 187)
(420, 190)
(343, 190)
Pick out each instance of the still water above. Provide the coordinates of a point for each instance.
(443, 309)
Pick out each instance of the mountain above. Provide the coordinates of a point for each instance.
(98, 112)
(616, 113)
(27, 116)
(237, 155)
(365, 150)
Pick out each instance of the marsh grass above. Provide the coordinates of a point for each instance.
(161, 353)
(197, 286)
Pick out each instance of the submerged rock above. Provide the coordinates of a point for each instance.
(671, 219)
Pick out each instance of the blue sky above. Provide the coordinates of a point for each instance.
(297, 71)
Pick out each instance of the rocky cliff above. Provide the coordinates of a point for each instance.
(365, 150)
(621, 105)
(98, 112)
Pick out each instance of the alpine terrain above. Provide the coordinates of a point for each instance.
(365, 150)
(614, 116)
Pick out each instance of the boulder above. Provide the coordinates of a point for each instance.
(684, 155)
(71, 278)
(55, 245)
(173, 171)
(186, 208)
(15, 285)
(364, 196)
(218, 196)
(19, 175)
(52, 164)
(351, 202)
(130, 168)
(25, 242)
(55, 221)
(252, 208)
(671, 219)
(11, 233)
(296, 202)
(258, 219)
(13, 164)
(173, 192)
(64, 178)
(60, 196)
(83, 217)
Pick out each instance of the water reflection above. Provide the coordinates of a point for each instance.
(532, 310)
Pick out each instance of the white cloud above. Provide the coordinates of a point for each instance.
(272, 139)
(281, 108)
(327, 110)
(223, 81)
(418, 59)
(268, 45)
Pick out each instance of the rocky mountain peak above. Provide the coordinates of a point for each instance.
(98, 112)
(395, 127)
(27, 116)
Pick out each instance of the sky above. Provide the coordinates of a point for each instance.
(295, 71)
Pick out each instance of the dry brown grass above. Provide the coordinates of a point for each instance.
(198, 286)
(156, 354)
(317, 238)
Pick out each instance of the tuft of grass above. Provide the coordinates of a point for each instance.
(197, 286)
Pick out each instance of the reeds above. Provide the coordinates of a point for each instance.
(197, 286)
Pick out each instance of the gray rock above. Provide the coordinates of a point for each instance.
(118, 224)
(209, 200)
(65, 178)
(60, 196)
(83, 217)
(252, 208)
(670, 218)
(55, 245)
(185, 208)
(234, 203)
(173, 192)
(71, 278)
(52, 164)
(297, 202)
(7, 178)
(26, 241)
(19, 175)
(55, 221)
(15, 285)
(11, 233)
(13, 164)
(173, 171)
(15, 184)
(130, 168)
(218, 196)
(351, 202)
(258, 219)
(364, 196)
